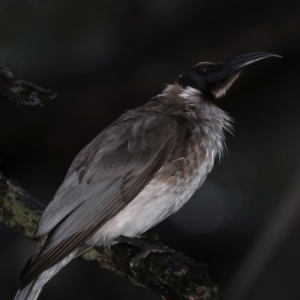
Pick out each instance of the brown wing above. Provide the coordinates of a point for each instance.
(105, 176)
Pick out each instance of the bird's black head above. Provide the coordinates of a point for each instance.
(214, 79)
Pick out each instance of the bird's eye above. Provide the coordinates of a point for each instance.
(204, 69)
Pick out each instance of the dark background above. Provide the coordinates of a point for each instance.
(104, 57)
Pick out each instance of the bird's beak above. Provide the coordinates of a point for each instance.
(239, 62)
(234, 64)
(225, 73)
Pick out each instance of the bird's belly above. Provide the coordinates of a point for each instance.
(159, 199)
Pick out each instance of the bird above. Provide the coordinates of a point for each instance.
(138, 171)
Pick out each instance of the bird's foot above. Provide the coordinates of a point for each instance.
(146, 247)
(143, 236)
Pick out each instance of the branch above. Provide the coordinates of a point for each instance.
(172, 276)
(21, 92)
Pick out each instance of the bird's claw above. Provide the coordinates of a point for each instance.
(146, 247)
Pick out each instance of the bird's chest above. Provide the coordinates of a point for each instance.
(186, 170)
(170, 188)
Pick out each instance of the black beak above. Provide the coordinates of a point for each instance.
(233, 64)
(241, 61)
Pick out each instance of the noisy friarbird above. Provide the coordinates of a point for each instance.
(136, 172)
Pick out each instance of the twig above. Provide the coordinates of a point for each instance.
(21, 92)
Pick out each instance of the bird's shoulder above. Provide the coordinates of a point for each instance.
(130, 142)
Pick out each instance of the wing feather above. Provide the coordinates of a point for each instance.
(105, 176)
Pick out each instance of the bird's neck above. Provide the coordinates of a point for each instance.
(208, 120)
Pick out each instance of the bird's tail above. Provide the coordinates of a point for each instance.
(29, 292)
(34, 288)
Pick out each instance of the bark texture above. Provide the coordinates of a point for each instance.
(21, 92)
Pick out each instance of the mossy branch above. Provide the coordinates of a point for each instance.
(171, 275)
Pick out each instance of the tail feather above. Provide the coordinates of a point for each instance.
(34, 288)
(30, 292)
